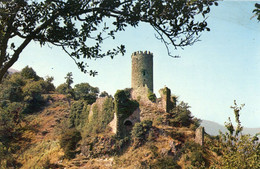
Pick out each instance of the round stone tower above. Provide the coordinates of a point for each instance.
(142, 72)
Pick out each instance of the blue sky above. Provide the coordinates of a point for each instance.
(224, 66)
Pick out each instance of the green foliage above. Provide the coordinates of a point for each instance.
(194, 153)
(11, 88)
(140, 131)
(128, 92)
(25, 87)
(9, 132)
(48, 85)
(123, 108)
(165, 163)
(151, 96)
(20, 93)
(236, 150)
(62, 88)
(101, 117)
(29, 73)
(69, 81)
(76, 111)
(86, 92)
(257, 11)
(75, 25)
(32, 91)
(104, 94)
(68, 142)
(181, 116)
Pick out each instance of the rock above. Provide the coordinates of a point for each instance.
(164, 152)
(172, 147)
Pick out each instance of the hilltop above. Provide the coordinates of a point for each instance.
(80, 127)
(157, 147)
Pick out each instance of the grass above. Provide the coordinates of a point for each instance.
(37, 155)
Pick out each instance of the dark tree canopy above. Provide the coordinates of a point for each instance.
(80, 26)
(257, 11)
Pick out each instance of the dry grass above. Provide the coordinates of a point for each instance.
(40, 143)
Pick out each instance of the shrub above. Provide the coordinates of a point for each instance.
(181, 116)
(165, 163)
(68, 142)
(124, 107)
(151, 96)
(62, 88)
(140, 130)
(194, 153)
(76, 114)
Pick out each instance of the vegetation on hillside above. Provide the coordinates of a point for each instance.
(39, 128)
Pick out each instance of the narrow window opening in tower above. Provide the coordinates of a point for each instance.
(144, 72)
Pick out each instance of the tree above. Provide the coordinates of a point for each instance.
(69, 81)
(62, 88)
(237, 150)
(86, 92)
(11, 88)
(29, 73)
(104, 94)
(257, 11)
(80, 26)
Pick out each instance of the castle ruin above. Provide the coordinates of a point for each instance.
(142, 85)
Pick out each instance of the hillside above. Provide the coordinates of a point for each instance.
(76, 127)
(40, 142)
(163, 145)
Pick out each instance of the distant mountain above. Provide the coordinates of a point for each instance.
(213, 128)
(11, 70)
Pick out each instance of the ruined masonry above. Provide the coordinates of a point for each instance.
(199, 136)
(142, 84)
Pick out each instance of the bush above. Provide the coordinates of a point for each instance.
(62, 88)
(124, 107)
(68, 142)
(140, 131)
(151, 96)
(101, 117)
(194, 153)
(181, 116)
(165, 163)
(76, 111)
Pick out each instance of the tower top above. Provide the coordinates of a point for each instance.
(142, 53)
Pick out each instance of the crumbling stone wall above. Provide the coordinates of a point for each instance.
(99, 104)
(199, 136)
(126, 111)
(142, 74)
(167, 102)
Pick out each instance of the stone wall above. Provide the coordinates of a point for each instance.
(199, 136)
(167, 103)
